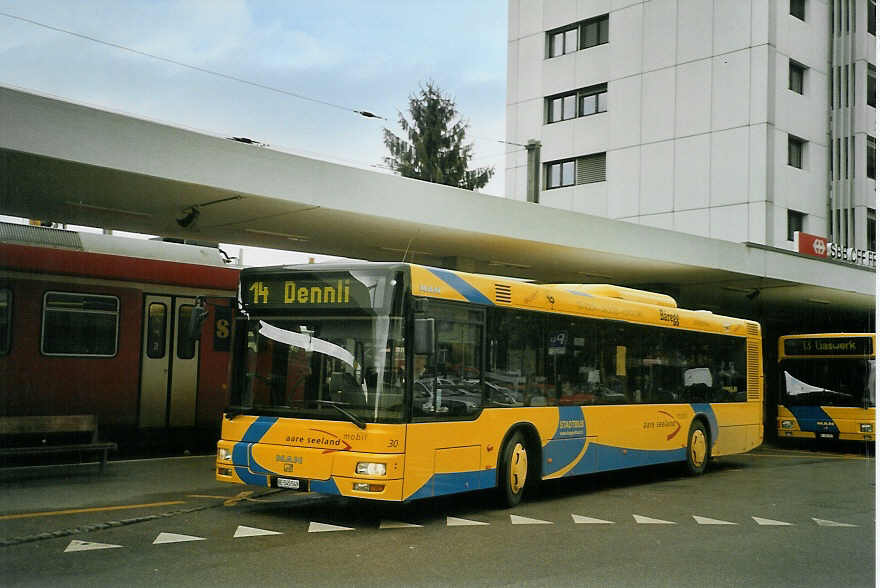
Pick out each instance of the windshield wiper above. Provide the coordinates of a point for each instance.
(338, 406)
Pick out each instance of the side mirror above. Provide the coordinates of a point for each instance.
(196, 319)
(424, 336)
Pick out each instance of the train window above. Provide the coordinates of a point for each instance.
(5, 320)
(80, 324)
(186, 346)
(156, 325)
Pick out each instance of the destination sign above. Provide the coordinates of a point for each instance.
(842, 346)
(336, 290)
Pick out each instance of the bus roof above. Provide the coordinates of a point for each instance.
(596, 300)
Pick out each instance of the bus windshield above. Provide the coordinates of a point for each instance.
(831, 382)
(320, 345)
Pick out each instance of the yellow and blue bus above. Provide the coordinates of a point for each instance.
(399, 382)
(827, 386)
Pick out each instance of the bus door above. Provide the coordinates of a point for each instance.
(169, 364)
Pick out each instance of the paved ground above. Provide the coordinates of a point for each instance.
(772, 517)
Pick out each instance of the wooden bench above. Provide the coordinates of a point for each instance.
(41, 428)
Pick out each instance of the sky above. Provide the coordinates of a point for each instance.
(351, 54)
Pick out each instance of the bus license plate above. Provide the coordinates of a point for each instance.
(826, 435)
(292, 483)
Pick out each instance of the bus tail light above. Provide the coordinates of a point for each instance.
(866, 428)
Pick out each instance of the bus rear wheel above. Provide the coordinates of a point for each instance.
(514, 470)
(697, 448)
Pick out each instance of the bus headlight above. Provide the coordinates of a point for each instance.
(787, 424)
(368, 468)
(866, 427)
(224, 454)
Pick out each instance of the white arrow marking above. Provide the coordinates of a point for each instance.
(454, 522)
(175, 538)
(589, 520)
(649, 521)
(708, 521)
(771, 522)
(76, 545)
(243, 531)
(824, 523)
(396, 525)
(324, 527)
(518, 520)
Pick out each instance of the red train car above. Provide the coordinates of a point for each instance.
(94, 324)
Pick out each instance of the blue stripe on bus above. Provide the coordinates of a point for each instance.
(575, 424)
(559, 453)
(247, 469)
(250, 478)
(808, 416)
(258, 428)
(324, 487)
(706, 410)
(462, 287)
(617, 458)
(454, 483)
(603, 458)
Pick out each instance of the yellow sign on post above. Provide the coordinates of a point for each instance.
(621, 360)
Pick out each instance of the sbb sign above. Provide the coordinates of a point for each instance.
(820, 247)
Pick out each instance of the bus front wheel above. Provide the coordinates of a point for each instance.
(514, 471)
(697, 448)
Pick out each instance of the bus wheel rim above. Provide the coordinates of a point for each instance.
(698, 448)
(519, 465)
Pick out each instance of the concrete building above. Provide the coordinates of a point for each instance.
(737, 120)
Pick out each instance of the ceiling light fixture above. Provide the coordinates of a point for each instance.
(591, 275)
(107, 209)
(818, 301)
(407, 251)
(288, 236)
(494, 263)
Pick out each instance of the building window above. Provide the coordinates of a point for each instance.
(872, 158)
(583, 102)
(594, 32)
(5, 320)
(796, 148)
(582, 35)
(796, 74)
(872, 17)
(872, 86)
(79, 324)
(795, 223)
(562, 42)
(872, 229)
(583, 170)
(560, 174)
(797, 9)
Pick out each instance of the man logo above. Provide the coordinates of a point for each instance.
(819, 246)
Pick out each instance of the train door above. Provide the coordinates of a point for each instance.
(169, 364)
